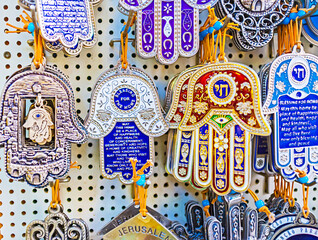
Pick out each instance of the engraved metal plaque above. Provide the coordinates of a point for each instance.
(35, 149)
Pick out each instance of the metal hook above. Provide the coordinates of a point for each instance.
(33, 15)
(308, 14)
(125, 32)
(314, 182)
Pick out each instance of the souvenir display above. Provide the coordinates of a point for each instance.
(38, 122)
(57, 225)
(256, 18)
(125, 115)
(225, 123)
(166, 29)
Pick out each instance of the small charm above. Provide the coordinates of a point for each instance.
(39, 122)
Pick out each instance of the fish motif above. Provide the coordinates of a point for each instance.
(167, 30)
(313, 67)
(282, 69)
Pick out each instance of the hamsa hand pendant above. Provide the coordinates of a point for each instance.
(67, 25)
(57, 226)
(38, 122)
(293, 99)
(222, 110)
(167, 28)
(257, 18)
(125, 115)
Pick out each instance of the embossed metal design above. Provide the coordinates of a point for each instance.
(292, 98)
(125, 115)
(257, 18)
(69, 22)
(310, 24)
(222, 110)
(166, 29)
(199, 227)
(300, 229)
(57, 226)
(38, 157)
(213, 229)
(131, 211)
(139, 228)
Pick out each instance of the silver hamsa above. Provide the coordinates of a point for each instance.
(57, 226)
(37, 123)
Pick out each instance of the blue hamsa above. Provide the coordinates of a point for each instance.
(293, 99)
(71, 22)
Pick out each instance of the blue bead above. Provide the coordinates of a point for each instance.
(303, 179)
(218, 25)
(141, 182)
(123, 29)
(293, 15)
(129, 29)
(31, 27)
(211, 29)
(205, 203)
(286, 21)
(232, 192)
(204, 33)
(259, 204)
(301, 13)
(220, 199)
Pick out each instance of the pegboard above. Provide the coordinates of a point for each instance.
(88, 195)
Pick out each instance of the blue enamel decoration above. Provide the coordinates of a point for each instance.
(293, 98)
(125, 115)
(68, 21)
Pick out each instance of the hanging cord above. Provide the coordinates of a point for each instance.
(124, 42)
(289, 31)
(276, 190)
(205, 203)
(260, 205)
(29, 27)
(222, 38)
(74, 165)
(55, 194)
(141, 185)
(303, 179)
(290, 191)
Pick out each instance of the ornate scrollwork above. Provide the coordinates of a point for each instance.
(257, 18)
(57, 226)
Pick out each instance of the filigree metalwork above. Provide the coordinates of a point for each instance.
(257, 18)
(57, 226)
